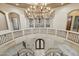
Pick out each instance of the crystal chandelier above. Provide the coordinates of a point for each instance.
(39, 10)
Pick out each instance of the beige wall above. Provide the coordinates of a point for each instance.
(60, 19)
(58, 22)
(8, 9)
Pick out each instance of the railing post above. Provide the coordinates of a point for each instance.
(23, 32)
(13, 36)
(67, 35)
(55, 32)
(39, 30)
(47, 30)
(44, 23)
(34, 23)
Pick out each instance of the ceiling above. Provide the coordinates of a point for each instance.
(26, 5)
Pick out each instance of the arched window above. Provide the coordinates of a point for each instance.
(39, 44)
(73, 20)
(14, 20)
(3, 21)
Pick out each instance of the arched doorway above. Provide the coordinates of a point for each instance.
(15, 21)
(39, 44)
(73, 21)
(3, 21)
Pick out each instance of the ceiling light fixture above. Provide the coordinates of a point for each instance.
(40, 10)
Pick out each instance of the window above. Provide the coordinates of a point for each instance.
(3, 21)
(31, 22)
(39, 22)
(73, 20)
(47, 22)
(39, 44)
(14, 20)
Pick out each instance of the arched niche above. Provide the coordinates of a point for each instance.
(14, 20)
(73, 20)
(3, 21)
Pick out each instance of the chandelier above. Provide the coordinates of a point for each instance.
(39, 10)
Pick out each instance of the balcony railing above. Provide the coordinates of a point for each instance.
(68, 35)
(62, 33)
(5, 38)
(73, 36)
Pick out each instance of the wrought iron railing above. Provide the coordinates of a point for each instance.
(68, 35)
(5, 38)
(73, 36)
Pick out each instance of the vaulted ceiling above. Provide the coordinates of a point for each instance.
(26, 5)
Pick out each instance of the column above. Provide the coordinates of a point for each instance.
(44, 23)
(34, 23)
(8, 21)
